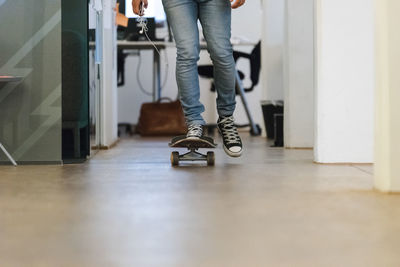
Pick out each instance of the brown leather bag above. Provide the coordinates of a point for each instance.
(161, 118)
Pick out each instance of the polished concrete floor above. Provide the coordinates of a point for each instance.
(129, 207)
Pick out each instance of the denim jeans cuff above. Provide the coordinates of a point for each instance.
(200, 122)
(225, 113)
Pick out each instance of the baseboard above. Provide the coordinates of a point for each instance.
(25, 163)
(103, 147)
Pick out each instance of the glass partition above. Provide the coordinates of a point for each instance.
(30, 109)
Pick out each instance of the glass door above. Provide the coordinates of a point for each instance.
(75, 81)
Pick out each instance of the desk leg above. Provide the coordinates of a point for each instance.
(8, 155)
(240, 90)
(156, 76)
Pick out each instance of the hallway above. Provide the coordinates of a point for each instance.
(129, 207)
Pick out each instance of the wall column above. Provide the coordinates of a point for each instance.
(387, 127)
(109, 97)
(298, 73)
(344, 100)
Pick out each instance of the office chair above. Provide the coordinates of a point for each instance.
(121, 67)
(255, 66)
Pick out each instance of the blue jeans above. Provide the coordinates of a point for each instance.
(215, 18)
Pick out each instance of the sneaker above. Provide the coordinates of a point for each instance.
(195, 131)
(230, 136)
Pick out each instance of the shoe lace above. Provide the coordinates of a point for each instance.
(229, 130)
(195, 130)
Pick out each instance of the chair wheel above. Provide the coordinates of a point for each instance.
(210, 158)
(175, 158)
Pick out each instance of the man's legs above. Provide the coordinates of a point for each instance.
(182, 16)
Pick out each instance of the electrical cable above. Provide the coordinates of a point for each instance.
(164, 83)
(138, 77)
(143, 24)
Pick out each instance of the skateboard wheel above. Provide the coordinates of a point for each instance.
(210, 158)
(175, 158)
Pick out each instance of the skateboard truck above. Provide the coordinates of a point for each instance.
(193, 145)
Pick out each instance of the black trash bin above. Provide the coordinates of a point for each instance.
(278, 125)
(269, 109)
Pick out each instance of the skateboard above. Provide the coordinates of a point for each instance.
(193, 145)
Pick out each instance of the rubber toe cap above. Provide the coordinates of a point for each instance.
(235, 149)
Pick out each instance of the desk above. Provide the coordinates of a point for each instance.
(7, 79)
(139, 45)
(156, 59)
(143, 45)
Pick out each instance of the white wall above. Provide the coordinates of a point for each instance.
(273, 21)
(299, 73)
(130, 97)
(387, 167)
(344, 81)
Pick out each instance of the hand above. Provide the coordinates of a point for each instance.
(136, 6)
(237, 3)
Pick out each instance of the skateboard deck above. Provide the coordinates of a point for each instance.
(192, 145)
(183, 141)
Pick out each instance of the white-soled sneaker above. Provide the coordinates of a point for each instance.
(195, 131)
(230, 136)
